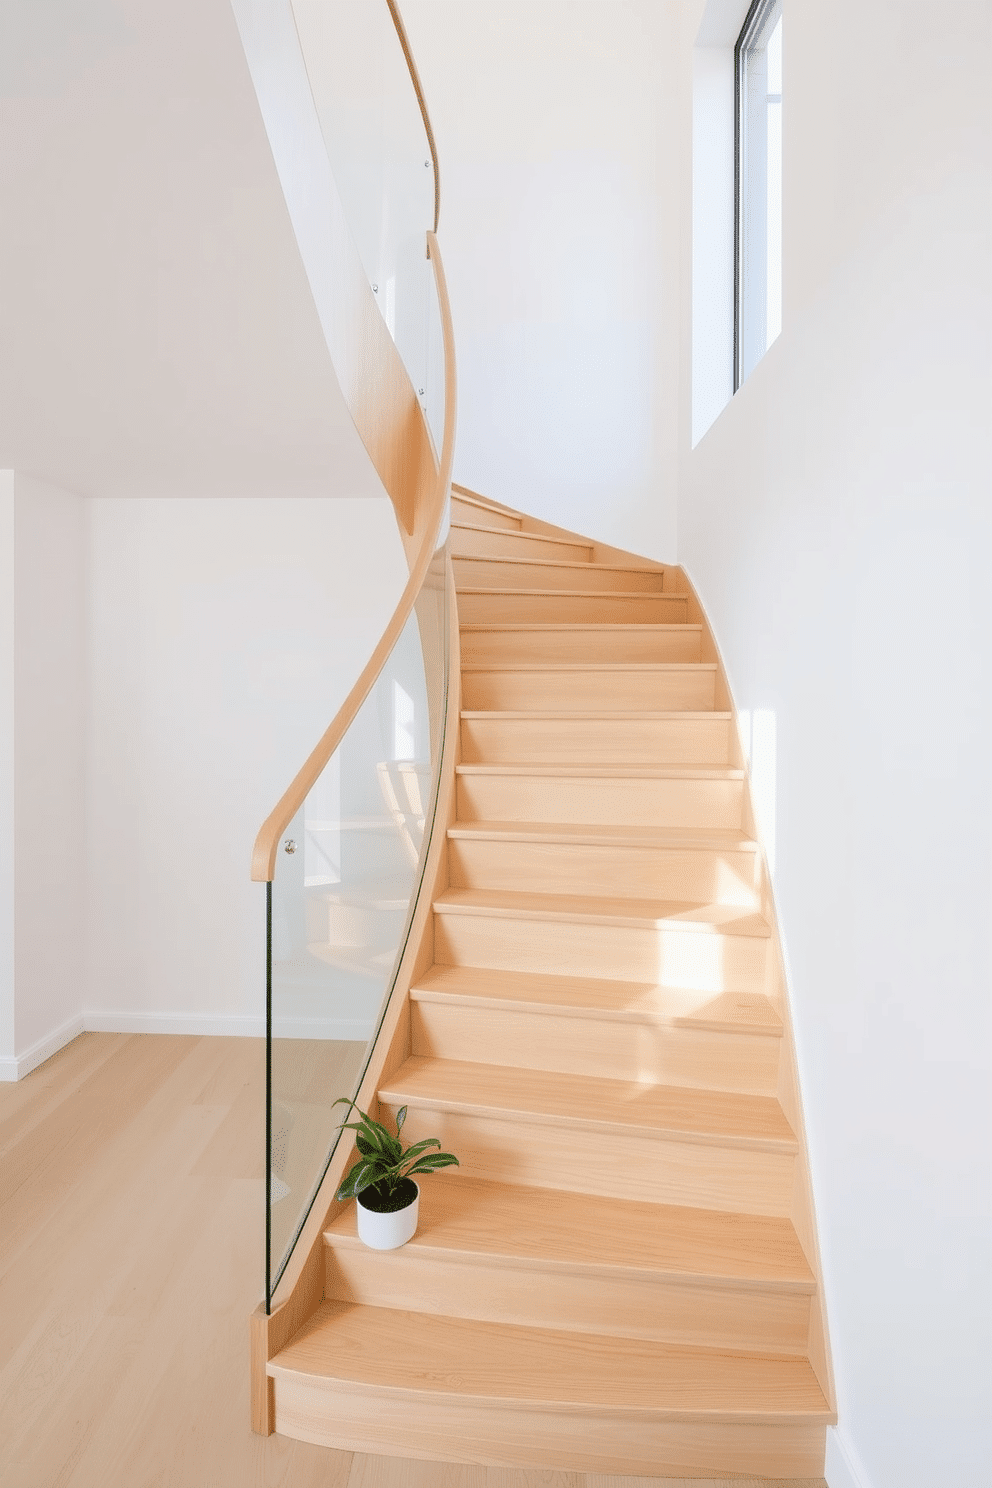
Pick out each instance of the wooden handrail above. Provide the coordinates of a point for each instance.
(263, 858)
(422, 102)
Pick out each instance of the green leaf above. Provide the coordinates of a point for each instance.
(366, 1179)
(400, 1118)
(373, 1138)
(431, 1163)
(361, 1175)
(365, 1146)
(386, 1141)
(419, 1147)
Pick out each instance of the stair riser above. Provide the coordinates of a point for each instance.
(480, 544)
(599, 1047)
(545, 575)
(590, 741)
(622, 692)
(692, 875)
(434, 1428)
(604, 801)
(477, 516)
(581, 645)
(353, 925)
(676, 958)
(646, 1306)
(614, 1163)
(521, 608)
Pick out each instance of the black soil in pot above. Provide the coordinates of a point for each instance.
(378, 1198)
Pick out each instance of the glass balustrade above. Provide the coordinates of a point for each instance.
(344, 873)
(348, 870)
(383, 164)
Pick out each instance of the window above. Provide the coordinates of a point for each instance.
(758, 186)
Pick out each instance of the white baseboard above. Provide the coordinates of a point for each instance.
(223, 1025)
(231, 1025)
(227, 1025)
(355, 1030)
(844, 1468)
(16, 1066)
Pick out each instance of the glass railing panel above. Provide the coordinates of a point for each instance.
(380, 156)
(348, 872)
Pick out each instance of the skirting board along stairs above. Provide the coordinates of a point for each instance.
(622, 1275)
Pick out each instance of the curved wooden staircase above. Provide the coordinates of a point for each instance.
(622, 1276)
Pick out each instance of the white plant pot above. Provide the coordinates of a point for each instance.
(387, 1231)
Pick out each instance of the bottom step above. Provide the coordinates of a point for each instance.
(377, 1379)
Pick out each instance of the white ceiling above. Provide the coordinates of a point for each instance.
(157, 332)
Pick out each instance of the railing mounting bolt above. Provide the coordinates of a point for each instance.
(289, 845)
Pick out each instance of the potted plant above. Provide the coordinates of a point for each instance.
(381, 1182)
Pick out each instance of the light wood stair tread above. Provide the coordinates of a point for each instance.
(620, 627)
(538, 537)
(641, 568)
(555, 1229)
(682, 715)
(607, 772)
(705, 839)
(462, 493)
(589, 666)
(613, 668)
(636, 1002)
(754, 1121)
(455, 1358)
(720, 919)
(647, 594)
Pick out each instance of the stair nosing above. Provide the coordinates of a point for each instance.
(462, 493)
(558, 562)
(534, 996)
(595, 1272)
(580, 1403)
(672, 1133)
(598, 1271)
(541, 537)
(725, 1280)
(610, 667)
(539, 1009)
(496, 625)
(651, 594)
(605, 836)
(392, 1092)
(579, 770)
(605, 715)
(445, 904)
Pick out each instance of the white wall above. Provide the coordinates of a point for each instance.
(836, 519)
(159, 336)
(225, 634)
(50, 706)
(8, 1068)
(43, 682)
(175, 662)
(553, 136)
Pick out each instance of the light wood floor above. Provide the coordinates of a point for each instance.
(131, 1205)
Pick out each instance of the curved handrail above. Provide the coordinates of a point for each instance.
(421, 101)
(263, 860)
